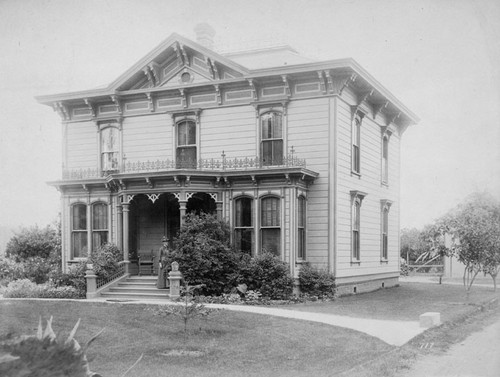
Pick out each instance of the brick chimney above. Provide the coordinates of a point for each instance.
(205, 35)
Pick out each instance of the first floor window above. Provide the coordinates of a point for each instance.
(79, 247)
(356, 200)
(99, 225)
(386, 205)
(301, 228)
(80, 230)
(243, 225)
(270, 226)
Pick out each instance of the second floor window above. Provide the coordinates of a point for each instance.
(109, 149)
(271, 138)
(356, 144)
(186, 145)
(385, 160)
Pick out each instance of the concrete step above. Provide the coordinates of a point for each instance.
(162, 295)
(134, 284)
(141, 290)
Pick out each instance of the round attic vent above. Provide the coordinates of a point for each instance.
(186, 78)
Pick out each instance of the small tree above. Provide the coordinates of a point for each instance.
(475, 229)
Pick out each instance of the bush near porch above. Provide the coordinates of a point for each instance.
(205, 256)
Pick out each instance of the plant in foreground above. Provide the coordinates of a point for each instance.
(189, 309)
(46, 355)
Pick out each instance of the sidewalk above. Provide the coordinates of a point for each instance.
(476, 356)
(395, 333)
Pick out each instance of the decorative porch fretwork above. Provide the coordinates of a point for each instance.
(153, 197)
(126, 199)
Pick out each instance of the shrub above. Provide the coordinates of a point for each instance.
(105, 260)
(75, 277)
(10, 270)
(25, 288)
(316, 282)
(204, 254)
(35, 242)
(268, 275)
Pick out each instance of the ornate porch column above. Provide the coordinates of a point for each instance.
(119, 227)
(182, 210)
(125, 208)
(219, 210)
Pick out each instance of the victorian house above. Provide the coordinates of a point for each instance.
(300, 157)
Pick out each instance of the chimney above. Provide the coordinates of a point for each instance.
(205, 35)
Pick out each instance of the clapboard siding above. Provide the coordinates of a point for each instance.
(81, 145)
(229, 129)
(148, 138)
(308, 125)
(370, 181)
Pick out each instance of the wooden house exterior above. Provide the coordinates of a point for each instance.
(302, 158)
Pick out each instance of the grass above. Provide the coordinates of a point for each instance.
(406, 302)
(244, 344)
(234, 344)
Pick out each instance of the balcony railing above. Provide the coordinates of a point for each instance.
(207, 164)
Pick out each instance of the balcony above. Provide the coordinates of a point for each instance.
(208, 165)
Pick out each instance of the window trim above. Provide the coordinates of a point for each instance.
(272, 140)
(102, 127)
(79, 231)
(385, 206)
(92, 229)
(386, 135)
(356, 201)
(301, 255)
(251, 227)
(196, 145)
(265, 227)
(356, 127)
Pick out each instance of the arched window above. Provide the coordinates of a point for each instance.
(301, 228)
(99, 225)
(243, 225)
(356, 209)
(272, 138)
(385, 207)
(270, 226)
(186, 145)
(79, 247)
(109, 149)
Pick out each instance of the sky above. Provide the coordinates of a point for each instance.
(441, 58)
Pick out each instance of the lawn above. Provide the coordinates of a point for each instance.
(235, 344)
(406, 302)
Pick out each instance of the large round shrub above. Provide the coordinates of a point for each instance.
(316, 282)
(204, 253)
(267, 274)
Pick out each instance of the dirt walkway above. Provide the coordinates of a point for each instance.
(476, 356)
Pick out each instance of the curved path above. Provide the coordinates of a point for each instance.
(395, 333)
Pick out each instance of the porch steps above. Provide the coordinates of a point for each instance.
(136, 288)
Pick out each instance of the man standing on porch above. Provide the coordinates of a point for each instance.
(162, 264)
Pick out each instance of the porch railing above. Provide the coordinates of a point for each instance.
(100, 282)
(205, 164)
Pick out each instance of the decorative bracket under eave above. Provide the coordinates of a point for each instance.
(149, 76)
(118, 103)
(287, 86)
(339, 85)
(90, 106)
(184, 54)
(151, 103)
(212, 65)
(393, 119)
(217, 92)
(378, 109)
(149, 183)
(178, 53)
(184, 97)
(254, 89)
(155, 72)
(322, 81)
(62, 110)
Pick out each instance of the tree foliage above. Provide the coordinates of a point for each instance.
(35, 242)
(475, 229)
(204, 253)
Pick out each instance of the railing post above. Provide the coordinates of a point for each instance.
(174, 278)
(91, 278)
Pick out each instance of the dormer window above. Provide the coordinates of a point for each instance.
(271, 138)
